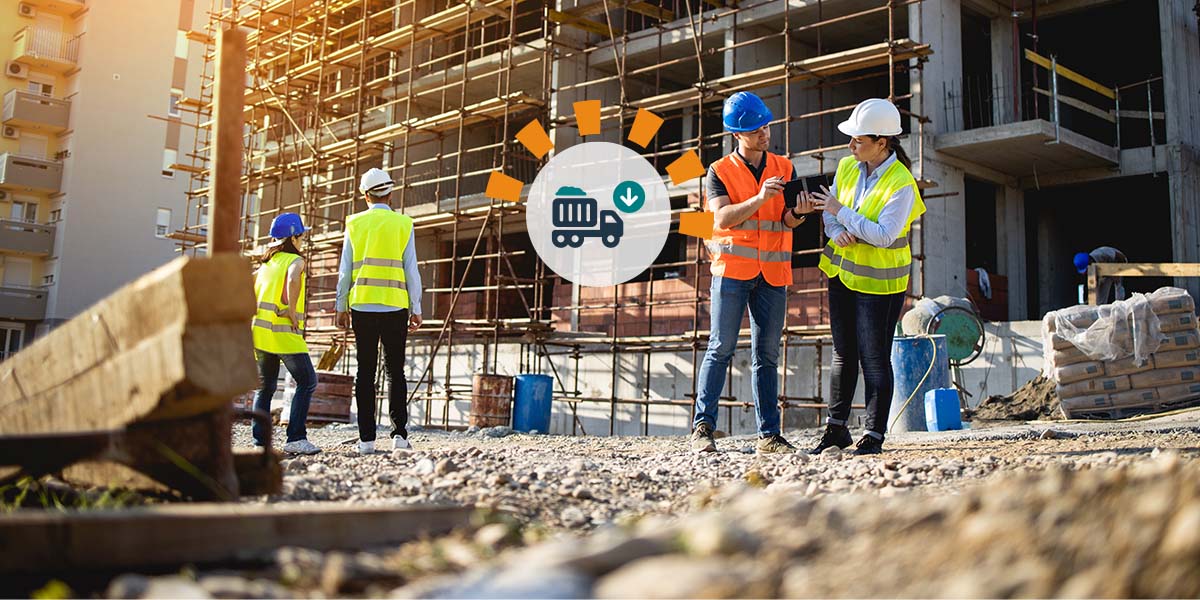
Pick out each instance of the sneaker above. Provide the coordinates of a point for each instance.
(301, 447)
(774, 444)
(869, 444)
(702, 438)
(365, 448)
(400, 445)
(835, 435)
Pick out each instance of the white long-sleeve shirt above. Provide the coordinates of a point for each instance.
(412, 277)
(891, 221)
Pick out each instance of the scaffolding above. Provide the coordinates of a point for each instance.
(434, 92)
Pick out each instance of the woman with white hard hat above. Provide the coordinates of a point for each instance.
(868, 213)
(278, 331)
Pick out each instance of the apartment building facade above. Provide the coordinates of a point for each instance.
(91, 129)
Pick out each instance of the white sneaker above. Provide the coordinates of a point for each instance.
(366, 447)
(301, 447)
(400, 445)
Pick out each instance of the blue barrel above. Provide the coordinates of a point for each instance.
(531, 403)
(942, 412)
(911, 357)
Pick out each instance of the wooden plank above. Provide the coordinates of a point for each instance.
(174, 535)
(649, 10)
(1147, 269)
(587, 25)
(225, 202)
(1081, 105)
(175, 342)
(1090, 84)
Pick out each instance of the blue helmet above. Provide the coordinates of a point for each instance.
(745, 111)
(1081, 262)
(286, 225)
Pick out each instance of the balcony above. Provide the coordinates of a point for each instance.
(27, 304)
(62, 7)
(26, 238)
(24, 174)
(31, 111)
(46, 49)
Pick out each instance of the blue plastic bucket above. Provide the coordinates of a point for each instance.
(911, 357)
(942, 410)
(531, 403)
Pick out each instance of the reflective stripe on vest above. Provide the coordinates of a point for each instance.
(378, 238)
(762, 243)
(861, 266)
(271, 329)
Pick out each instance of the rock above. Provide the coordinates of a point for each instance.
(1048, 434)
(494, 534)
(582, 493)
(1182, 536)
(678, 576)
(500, 479)
(832, 451)
(317, 468)
(573, 517)
(715, 534)
(639, 476)
(445, 466)
(473, 429)
(139, 586)
(424, 466)
(529, 581)
(231, 586)
(498, 432)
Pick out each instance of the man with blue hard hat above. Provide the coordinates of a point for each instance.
(751, 251)
(1107, 285)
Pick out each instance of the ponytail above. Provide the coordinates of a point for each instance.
(901, 155)
(289, 245)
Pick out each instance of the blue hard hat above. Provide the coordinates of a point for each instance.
(745, 111)
(1081, 262)
(286, 225)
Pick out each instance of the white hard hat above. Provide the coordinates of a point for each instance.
(873, 116)
(376, 183)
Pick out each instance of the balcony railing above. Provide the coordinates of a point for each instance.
(23, 173)
(35, 111)
(40, 43)
(22, 303)
(26, 238)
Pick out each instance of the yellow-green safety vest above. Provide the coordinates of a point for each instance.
(378, 238)
(272, 329)
(861, 266)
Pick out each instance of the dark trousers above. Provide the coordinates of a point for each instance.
(301, 368)
(371, 328)
(863, 326)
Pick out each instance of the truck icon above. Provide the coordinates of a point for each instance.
(574, 217)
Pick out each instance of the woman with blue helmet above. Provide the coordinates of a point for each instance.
(278, 330)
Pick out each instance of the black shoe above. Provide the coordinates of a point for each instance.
(702, 438)
(835, 435)
(869, 444)
(774, 444)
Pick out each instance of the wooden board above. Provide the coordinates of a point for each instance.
(174, 535)
(174, 343)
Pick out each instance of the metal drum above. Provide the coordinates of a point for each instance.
(491, 400)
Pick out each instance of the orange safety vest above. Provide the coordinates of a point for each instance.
(762, 243)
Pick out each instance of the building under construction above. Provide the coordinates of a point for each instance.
(1030, 142)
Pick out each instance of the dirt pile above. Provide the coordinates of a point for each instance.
(1035, 401)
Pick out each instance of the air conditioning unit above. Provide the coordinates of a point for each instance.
(26, 10)
(15, 69)
(10, 132)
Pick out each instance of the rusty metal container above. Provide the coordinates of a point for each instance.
(331, 400)
(491, 400)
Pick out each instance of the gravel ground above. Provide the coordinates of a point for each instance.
(1013, 511)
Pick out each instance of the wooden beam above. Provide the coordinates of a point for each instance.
(1090, 84)
(649, 10)
(225, 202)
(175, 535)
(1147, 269)
(587, 25)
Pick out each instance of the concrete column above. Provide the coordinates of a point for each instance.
(1010, 247)
(938, 23)
(1181, 78)
(1003, 71)
(944, 232)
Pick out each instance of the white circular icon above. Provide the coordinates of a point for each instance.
(598, 214)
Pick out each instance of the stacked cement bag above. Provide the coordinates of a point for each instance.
(1130, 357)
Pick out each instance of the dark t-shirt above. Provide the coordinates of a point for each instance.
(715, 187)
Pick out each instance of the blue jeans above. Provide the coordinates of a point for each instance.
(301, 368)
(768, 304)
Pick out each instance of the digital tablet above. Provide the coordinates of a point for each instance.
(791, 191)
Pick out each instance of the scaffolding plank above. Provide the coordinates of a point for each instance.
(174, 535)
(587, 25)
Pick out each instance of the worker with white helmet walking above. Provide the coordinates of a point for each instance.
(867, 217)
(379, 296)
(751, 267)
(278, 331)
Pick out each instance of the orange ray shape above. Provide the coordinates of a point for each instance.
(534, 138)
(503, 187)
(685, 168)
(697, 224)
(645, 125)
(587, 116)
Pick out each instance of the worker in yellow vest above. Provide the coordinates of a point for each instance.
(379, 296)
(278, 331)
(751, 251)
(867, 215)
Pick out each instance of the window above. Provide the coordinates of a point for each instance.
(11, 337)
(24, 211)
(41, 87)
(48, 279)
(169, 157)
(181, 44)
(173, 106)
(56, 215)
(162, 223)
